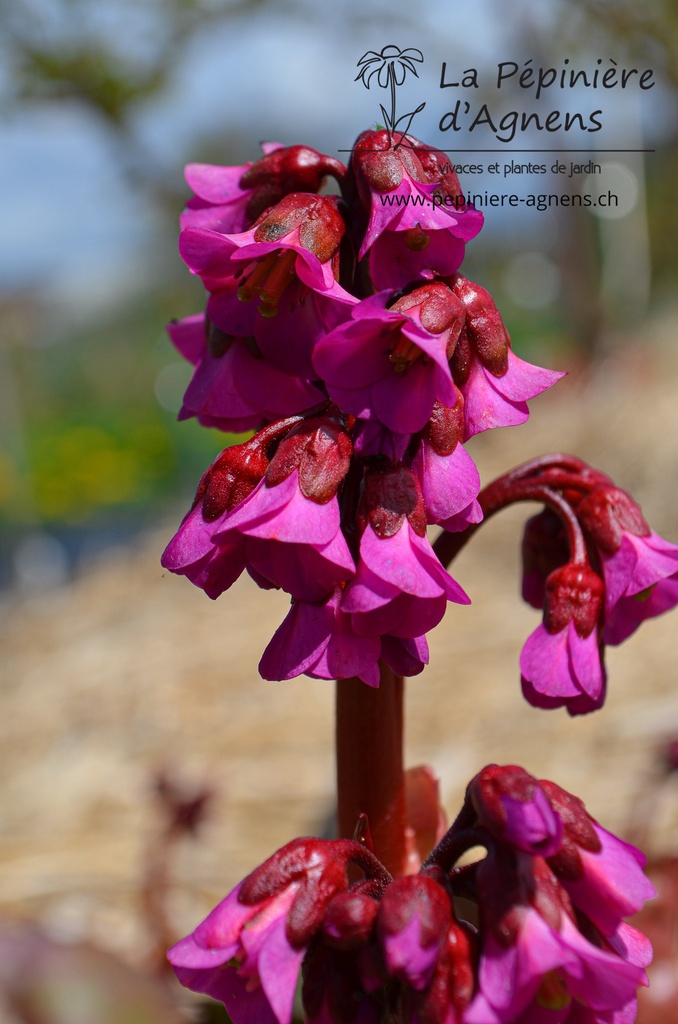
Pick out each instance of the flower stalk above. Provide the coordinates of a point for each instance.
(370, 770)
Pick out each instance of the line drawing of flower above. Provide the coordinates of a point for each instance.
(390, 66)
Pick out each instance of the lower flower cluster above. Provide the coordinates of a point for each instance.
(533, 933)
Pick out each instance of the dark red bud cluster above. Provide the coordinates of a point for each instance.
(574, 593)
(483, 332)
(285, 170)
(321, 451)
(391, 495)
(319, 869)
(320, 225)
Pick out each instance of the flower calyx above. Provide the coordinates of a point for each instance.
(391, 495)
(574, 593)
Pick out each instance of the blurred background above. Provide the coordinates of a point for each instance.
(126, 696)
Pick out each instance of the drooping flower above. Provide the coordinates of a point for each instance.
(447, 474)
(495, 383)
(400, 587)
(275, 282)
(561, 663)
(318, 640)
(532, 950)
(602, 874)
(640, 568)
(248, 952)
(229, 199)
(233, 387)
(390, 364)
(418, 220)
(412, 924)
(279, 519)
(514, 807)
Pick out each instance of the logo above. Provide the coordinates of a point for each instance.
(390, 66)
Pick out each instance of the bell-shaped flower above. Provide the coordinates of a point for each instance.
(291, 520)
(640, 568)
(418, 219)
(390, 365)
(495, 383)
(447, 474)
(530, 940)
(602, 874)
(229, 199)
(561, 663)
(193, 552)
(512, 805)
(319, 640)
(414, 917)
(248, 951)
(233, 388)
(275, 282)
(400, 587)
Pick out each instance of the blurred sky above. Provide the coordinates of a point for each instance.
(74, 227)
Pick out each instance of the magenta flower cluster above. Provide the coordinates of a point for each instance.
(342, 330)
(593, 564)
(534, 933)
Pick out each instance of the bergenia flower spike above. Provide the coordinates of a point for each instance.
(342, 332)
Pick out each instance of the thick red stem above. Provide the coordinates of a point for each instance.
(370, 778)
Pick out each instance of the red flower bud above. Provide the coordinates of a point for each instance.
(317, 219)
(285, 170)
(486, 331)
(392, 493)
(574, 593)
(321, 451)
(232, 476)
(606, 513)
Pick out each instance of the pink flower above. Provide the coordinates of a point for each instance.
(233, 387)
(241, 956)
(450, 483)
(390, 364)
(513, 806)
(319, 640)
(640, 568)
(561, 662)
(280, 520)
(400, 587)
(192, 552)
(229, 199)
(495, 383)
(414, 917)
(418, 218)
(602, 874)
(641, 582)
(248, 951)
(531, 949)
(275, 282)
